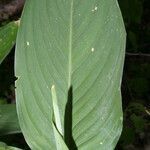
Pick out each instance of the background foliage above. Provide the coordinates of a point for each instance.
(135, 85)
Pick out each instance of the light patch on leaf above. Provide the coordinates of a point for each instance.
(27, 43)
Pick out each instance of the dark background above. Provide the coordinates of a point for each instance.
(136, 76)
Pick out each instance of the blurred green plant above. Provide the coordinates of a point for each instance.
(8, 116)
(135, 122)
(3, 146)
(8, 119)
(8, 35)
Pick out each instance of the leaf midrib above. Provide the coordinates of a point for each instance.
(70, 45)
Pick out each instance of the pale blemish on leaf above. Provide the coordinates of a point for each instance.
(92, 49)
(95, 9)
(27, 43)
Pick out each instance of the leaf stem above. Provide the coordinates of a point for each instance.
(56, 110)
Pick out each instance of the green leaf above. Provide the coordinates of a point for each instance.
(3, 101)
(57, 127)
(78, 46)
(139, 122)
(128, 136)
(3, 146)
(60, 144)
(7, 39)
(8, 119)
(56, 113)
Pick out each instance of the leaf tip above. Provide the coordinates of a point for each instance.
(17, 22)
(53, 87)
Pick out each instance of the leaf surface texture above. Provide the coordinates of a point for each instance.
(78, 46)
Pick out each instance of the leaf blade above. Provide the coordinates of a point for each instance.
(8, 35)
(70, 45)
(3, 146)
(8, 119)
